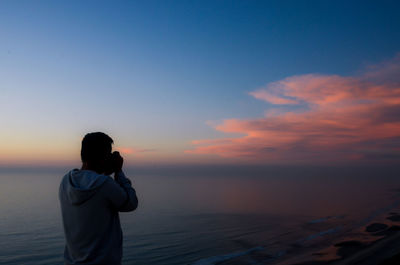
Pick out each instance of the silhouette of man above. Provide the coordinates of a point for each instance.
(90, 201)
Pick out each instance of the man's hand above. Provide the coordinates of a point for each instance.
(118, 162)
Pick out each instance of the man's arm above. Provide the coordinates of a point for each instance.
(121, 194)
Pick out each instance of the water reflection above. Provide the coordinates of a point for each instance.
(182, 219)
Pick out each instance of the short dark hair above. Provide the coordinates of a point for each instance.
(95, 146)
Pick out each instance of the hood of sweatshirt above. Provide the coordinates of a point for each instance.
(80, 185)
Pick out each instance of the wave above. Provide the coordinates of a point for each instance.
(216, 259)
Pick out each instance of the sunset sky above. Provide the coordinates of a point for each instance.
(201, 82)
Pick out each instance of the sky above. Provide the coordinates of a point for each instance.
(201, 82)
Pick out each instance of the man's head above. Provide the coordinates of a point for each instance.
(96, 149)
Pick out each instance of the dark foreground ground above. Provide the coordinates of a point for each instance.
(377, 243)
(384, 250)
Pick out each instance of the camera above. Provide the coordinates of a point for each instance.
(112, 163)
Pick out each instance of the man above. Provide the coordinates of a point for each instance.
(90, 201)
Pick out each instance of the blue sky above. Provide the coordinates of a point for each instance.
(154, 74)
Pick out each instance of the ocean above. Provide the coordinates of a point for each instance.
(202, 219)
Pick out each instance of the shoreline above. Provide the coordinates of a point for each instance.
(378, 244)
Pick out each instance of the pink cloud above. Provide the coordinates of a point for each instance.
(272, 97)
(344, 118)
(129, 150)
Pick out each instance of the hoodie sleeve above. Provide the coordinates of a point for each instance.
(121, 194)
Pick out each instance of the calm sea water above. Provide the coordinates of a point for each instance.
(200, 219)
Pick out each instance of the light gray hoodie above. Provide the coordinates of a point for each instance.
(90, 203)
